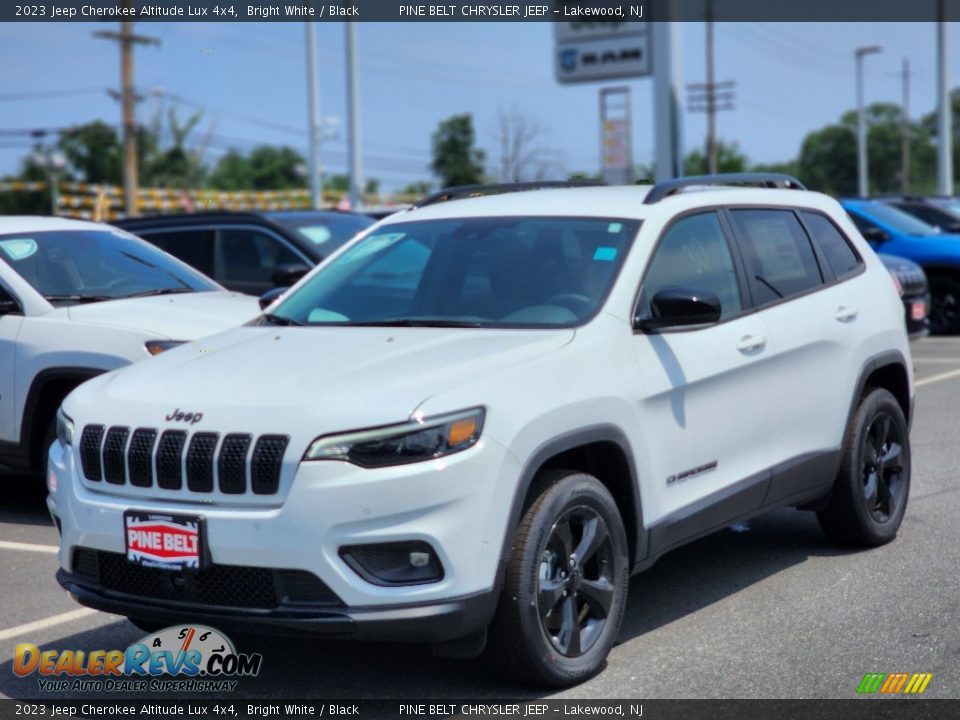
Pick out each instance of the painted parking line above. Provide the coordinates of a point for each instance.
(938, 378)
(29, 547)
(51, 621)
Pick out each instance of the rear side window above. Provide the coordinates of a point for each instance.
(840, 256)
(780, 260)
(194, 247)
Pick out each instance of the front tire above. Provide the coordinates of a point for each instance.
(871, 490)
(566, 585)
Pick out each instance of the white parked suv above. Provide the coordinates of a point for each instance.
(472, 424)
(78, 299)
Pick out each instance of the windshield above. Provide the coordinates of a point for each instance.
(899, 220)
(327, 231)
(472, 272)
(69, 266)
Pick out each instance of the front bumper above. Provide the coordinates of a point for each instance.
(428, 622)
(458, 505)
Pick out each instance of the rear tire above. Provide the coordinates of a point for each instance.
(566, 585)
(871, 491)
(944, 305)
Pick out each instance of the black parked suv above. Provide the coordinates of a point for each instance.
(250, 252)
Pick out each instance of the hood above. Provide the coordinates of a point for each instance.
(186, 316)
(294, 380)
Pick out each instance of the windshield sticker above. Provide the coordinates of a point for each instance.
(605, 254)
(614, 227)
(321, 315)
(19, 248)
(318, 234)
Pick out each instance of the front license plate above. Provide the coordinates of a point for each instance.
(169, 542)
(918, 310)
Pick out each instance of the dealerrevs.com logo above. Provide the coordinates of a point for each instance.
(182, 658)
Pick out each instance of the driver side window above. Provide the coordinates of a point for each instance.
(694, 255)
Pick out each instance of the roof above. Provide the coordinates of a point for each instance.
(40, 223)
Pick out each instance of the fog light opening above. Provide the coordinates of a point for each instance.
(396, 563)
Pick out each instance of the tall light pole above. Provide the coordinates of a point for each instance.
(863, 189)
(944, 109)
(313, 100)
(353, 118)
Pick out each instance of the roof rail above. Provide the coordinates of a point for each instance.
(771, 180)
(468, 191)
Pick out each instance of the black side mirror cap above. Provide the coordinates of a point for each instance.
(288, 274)
(875, 234)
(680, 307)
(270, 295)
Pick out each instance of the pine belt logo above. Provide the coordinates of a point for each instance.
(177, 659)
(894, 683)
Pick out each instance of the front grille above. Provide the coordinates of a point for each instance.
(236, 586)
(145, 461)
(90, 442)
(113, 447)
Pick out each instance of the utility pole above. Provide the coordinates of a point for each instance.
(313, 95)
(945, 109)
(667, 84)
(127, 39)
(863, 185)
(353, 118)
(905, 130)
(710, 97)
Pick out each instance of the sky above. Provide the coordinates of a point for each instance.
(249, 79)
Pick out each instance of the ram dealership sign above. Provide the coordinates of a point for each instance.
(601, 50)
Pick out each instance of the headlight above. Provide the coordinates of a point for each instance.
(155, 347)
(64, 428)
(409, 442)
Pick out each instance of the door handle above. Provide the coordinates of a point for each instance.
(846, 314)
(750, 343)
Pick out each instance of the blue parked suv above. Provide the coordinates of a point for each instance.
(894, 232)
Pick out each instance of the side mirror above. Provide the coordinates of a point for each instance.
(875, 234)
(270, 295)
(9, 304)
(678, 307)
(286, 275)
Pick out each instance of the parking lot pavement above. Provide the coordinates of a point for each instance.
(767, 608)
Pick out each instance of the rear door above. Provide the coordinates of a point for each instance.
(813, 300)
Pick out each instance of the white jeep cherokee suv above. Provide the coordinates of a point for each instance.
(482, 416)
(78, 299)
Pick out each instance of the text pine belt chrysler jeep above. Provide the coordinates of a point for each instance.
(470, 425)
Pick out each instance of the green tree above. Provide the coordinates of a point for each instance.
(266, 167)
(828, 157)
(929, 125)
(729, 160)
(455, 160)
(173, 165)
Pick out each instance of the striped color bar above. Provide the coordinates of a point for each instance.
(894, 683)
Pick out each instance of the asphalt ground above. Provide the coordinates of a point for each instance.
(765, 609)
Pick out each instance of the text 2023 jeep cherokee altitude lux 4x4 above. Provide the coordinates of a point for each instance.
(473, 423)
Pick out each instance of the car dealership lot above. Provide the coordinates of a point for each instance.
(765, 609)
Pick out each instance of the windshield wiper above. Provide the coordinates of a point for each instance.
(78, 298)
(271, 319)
(161, 291)
(412, 322)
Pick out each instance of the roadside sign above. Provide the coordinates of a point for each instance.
(592, 51)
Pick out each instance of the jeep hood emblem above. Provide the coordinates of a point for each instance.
(179, 415)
